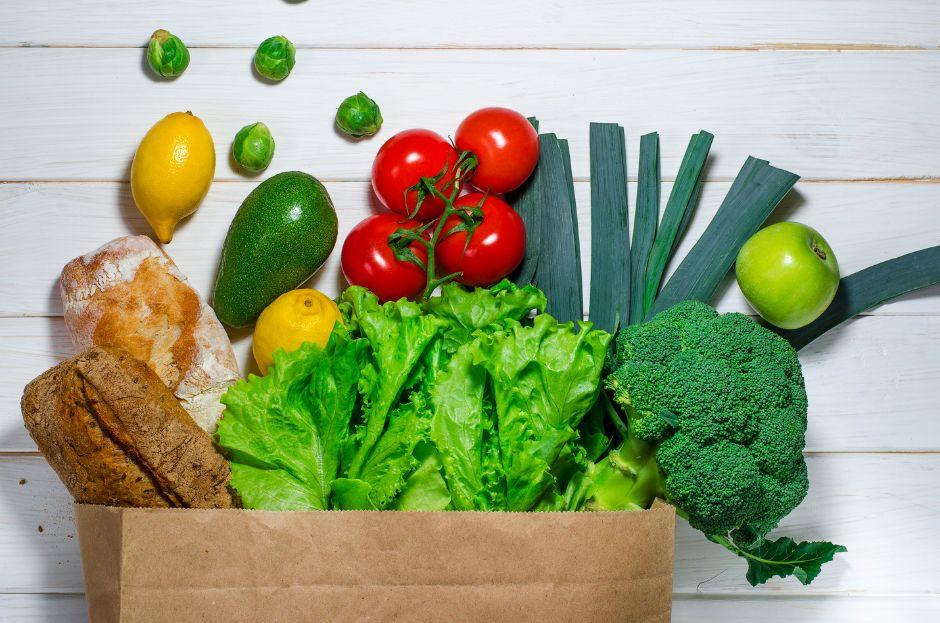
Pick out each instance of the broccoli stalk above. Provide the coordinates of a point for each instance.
(628, 478)
(716, 420)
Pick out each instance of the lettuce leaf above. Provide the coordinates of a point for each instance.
(389, 463)
(464, 402)
(545, 378)
(283, 432)
(457, 427)
(467, 311)
(398, 334)
(425, 489)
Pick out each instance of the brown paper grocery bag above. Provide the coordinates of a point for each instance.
(156, 565)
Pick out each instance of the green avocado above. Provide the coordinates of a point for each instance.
(281, 235)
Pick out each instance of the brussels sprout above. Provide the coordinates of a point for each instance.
(166, 54)
(274, 58)
(359, 116)
(253, 147)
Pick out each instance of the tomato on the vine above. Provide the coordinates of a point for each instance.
(401, 163)
(505, 144)
(369, 261)
(496, 246)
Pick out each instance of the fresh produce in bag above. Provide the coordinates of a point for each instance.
(457, 372)
(404, 404)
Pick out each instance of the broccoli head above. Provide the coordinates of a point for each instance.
(718, 403)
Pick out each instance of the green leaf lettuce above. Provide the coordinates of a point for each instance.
(465, 402)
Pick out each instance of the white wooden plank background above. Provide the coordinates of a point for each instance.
(485, 24)
(844, 93)
(827, 115)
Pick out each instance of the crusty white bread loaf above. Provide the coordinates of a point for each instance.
(129, 295)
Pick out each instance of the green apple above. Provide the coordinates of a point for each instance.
(788, 273)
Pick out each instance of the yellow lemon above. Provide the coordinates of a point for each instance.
(172, 170)
(293, 318)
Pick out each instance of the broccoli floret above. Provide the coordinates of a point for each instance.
(718, 403)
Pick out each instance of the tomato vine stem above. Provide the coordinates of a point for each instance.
(471, 216)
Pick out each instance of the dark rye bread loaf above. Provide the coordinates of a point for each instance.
(116, 435)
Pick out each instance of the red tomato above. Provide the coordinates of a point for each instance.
(506, 145)
(496, 246)
(401, 163)
(369, 261)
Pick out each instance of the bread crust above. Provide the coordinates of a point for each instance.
(129, 294)
(116, 435)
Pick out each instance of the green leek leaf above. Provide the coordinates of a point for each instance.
(676, 214)
(645, 221)
(526, 202)
(610, 228)
(573, 205)
(870, 287)
(559, 269)
(755, 193)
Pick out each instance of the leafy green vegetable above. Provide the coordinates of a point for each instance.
(423, 407)
(284, 431)
(466, 311)
(167, 55)
(398, 333)
(388, 463)
(559, 269)
(545, 378)
(755, 193)
(573, 207)
(645, 223)
(610, 229)
(527, 202)
(358, 115)
(783, 558)
(676, 215)
(425, 489)
(870, 287)
(457, 429)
